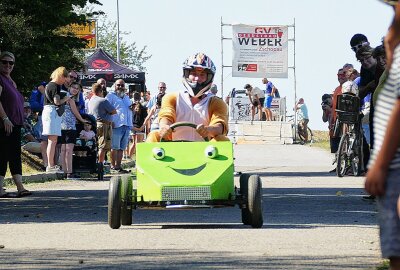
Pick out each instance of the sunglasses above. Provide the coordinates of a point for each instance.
(162, 87)
(359, 46)
(73, 77)
(5, 62)
(120, 85)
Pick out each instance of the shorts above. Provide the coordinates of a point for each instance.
(120, 138)
(104, 135)
(262, 101)
(268, 102)
(51, 121)
(304, 122)
(67, 137)
(389, 221)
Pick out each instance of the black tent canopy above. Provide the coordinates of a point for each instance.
(101, 65)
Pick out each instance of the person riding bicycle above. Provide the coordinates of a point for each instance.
(301, 109)
(195, 105)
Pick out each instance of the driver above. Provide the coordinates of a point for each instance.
(195, 105)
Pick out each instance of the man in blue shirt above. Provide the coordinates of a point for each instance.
(303, 117)
(122, 124)
(269, 94)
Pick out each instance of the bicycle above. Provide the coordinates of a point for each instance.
(300, 135)
(349, 154)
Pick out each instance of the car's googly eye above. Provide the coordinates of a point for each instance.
(158, 153)
(211, 151)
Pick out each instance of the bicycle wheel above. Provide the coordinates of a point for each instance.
(302, 135)
(342, 158)
(310, 135)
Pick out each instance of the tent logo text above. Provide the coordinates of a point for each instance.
(126, 76)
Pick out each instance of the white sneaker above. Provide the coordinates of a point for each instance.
(54, 169)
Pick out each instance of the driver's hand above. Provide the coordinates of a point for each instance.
(202, 130)
(165, 131)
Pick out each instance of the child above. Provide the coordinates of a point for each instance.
(86, 136)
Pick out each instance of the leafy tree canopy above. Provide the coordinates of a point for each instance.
(31, 30)
(129, 54)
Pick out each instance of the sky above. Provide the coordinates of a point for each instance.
(172, 30)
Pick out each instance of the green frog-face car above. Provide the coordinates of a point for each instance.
(184, 175)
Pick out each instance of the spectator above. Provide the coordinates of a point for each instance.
(327, 116)
(12, 119)
(86, 136)
(257, 98)
(214, 89)
(152, 116)
(68, 131)
(269, 93)
(139, 114)
(36, 101)
(360, 45)
(79, 100)
(29, 140)
(230, 95)
(302, 110)
(381, 71)
(146, 98)
(162, 88)
(102, 110)
(334, 141)
(208, 112)
(103, 84)
(383, 175)
(122, 124)
(54, 99)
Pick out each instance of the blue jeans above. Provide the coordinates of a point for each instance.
(120, 138)
(367, 134)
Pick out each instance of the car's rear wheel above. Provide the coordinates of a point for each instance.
(243, 190)
(126, 196)
(255, 201)
(114, 203)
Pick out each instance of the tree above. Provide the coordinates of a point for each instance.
(129, 54)
(31, 29)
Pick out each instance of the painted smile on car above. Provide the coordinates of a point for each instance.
(190, 172)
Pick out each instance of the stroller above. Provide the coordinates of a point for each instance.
(85, 156)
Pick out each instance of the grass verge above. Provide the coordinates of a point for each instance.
(321, 139)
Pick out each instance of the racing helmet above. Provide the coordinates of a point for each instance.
(198, 60)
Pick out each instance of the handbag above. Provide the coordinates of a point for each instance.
(60, 109)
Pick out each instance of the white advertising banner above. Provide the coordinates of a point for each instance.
(260, 51)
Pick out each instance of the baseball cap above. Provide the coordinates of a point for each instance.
(26, 104)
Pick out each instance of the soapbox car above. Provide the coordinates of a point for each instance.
(184, 175)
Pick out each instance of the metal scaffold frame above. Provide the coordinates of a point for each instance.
(291, 67)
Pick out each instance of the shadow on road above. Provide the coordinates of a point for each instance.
(169, 259)
(283, 208)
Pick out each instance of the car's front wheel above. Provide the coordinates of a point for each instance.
(114, 202)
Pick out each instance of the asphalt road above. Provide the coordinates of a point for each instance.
(312, 220)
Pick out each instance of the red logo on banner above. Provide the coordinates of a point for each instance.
(252, 67)
(100, 64)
